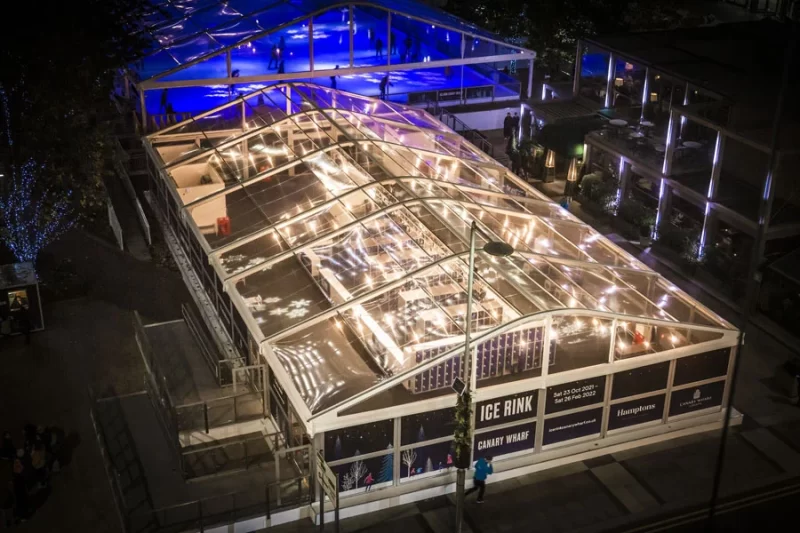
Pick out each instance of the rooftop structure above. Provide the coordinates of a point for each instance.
(331, 230)
(204, 52)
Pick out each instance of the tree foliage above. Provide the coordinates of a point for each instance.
(552, 27)
(59, 66)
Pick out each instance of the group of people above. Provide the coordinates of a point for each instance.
(41, 454)
(277, 55)
(410, 52)
(18, 320)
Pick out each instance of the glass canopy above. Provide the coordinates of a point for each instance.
(339, 225)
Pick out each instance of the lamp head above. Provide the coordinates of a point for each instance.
(498, 249)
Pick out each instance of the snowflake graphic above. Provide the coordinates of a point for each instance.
(297, 313)
(299, 304)
(279, 311)
(271, 300)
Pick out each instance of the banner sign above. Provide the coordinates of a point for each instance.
(640, 380)
(506, 409)
(635, 412)
(576, 394)
(503, 441)
(696, 398)
(572, 426)
(702, 366)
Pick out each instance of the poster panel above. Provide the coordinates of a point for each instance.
(701, 366)
(358, 440)
(427, 426)
(635, 412)
(574, 426)
(696, 398)
(504, 441)
(640, 380)
(575, 394)
(506, 409)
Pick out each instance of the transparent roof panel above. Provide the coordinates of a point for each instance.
(321, 218)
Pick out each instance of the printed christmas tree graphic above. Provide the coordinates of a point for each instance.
(337, 448)
(387, 468)
(429, 465)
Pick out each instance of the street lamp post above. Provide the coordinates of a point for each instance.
(464, 407)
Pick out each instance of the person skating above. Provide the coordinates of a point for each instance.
(407, 55)
(333, 78)
(273, 57)
(378, 48)
(483, 469)
(392, 44)
(368, 481)
(384, 83)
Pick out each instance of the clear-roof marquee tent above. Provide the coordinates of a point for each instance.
(337, 226)
(206, 47)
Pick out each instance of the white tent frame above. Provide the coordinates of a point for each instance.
(329, 418)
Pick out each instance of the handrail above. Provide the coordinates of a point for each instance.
(194, 328)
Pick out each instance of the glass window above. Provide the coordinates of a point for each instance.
(640, 380)
(427, 426)
(702, 366)
(358, 440)
(365, 474)
(371, 44)
(594, 74)
(332, 39)
(425, 461)
(579, 342)
(285, 50)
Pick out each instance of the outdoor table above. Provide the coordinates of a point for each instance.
(618, 122)
(636, 135)
(692, 144)
(646, 124)
(660, 148)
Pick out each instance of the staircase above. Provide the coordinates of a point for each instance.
(456, 124)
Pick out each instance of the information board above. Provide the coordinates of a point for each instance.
(506, 409)
(574, 426)
(504, 441)
(696, 398)
(635, 412)
(575, 394)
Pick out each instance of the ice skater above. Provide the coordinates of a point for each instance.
(392, 44)
(483, 469)
(164, 97)
(333, 78)
(384, 83)
(273, 58)
(407, 55)
(378, 47)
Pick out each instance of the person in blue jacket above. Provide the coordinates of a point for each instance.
(483, 469)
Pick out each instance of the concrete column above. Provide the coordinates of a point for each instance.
(576, 79)
(669, 152)
(645, 92)
(530, 80)
(624, 180)
(610, 79)
(350, 9)
(664, 204)
(311, 44)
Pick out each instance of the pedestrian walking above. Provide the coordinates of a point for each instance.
(368, 481)
(384, 83)
(515, 123)
(508, 124)
(483, 469)
(378, 48)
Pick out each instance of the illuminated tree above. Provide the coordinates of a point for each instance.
(387, 468)
(357, 471)
(31, 217)
(409, 456)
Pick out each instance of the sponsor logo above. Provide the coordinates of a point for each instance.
(636, 410)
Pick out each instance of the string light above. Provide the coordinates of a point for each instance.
(31, 220)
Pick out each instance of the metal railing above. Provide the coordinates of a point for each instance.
(209, 414)
(459, 126)
(221, 368)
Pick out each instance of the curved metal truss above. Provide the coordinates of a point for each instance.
(338, 226)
